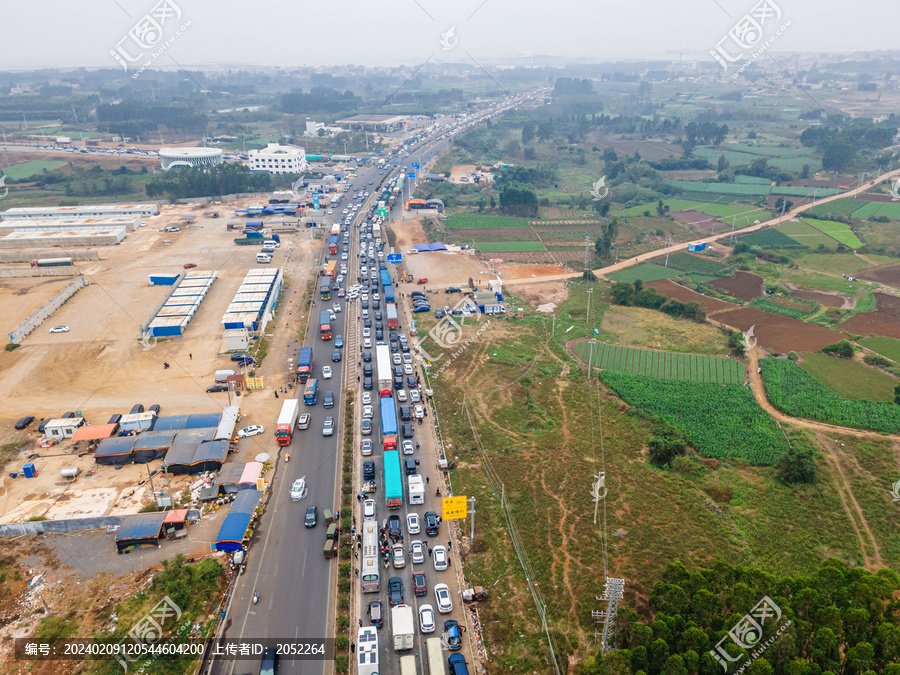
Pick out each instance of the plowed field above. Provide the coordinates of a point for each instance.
(743, 285)
(781, 334)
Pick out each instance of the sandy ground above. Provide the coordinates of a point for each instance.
(459, 171)
(101, 368)
(19, 297)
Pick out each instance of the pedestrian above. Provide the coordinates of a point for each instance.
(429, 552)
(276, 394)
(357, 378)
(357, 573)
(360, 623)
(448, 544)
(358, 496)
(352, 647)
(191, 357)
(427, 480)
(356, 555)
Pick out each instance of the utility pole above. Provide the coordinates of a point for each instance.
(587, 252)
(615, 591)
(667, 250)
(471, 501)
(733, 223)
(587, 313)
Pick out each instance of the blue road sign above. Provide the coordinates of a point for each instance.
(415, 165)
(411, 174)
(394, 258)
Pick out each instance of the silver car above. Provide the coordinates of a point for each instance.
(439, 557)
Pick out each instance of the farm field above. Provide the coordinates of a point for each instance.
(769, 238)
(843, 207)
(883, 274)
(885, 321)
(887, 347)
(785, 307)
(510, 246)
(742, 285)
(660, 364)
(672, 290)
(742, 428)
(506, 234)
(797, 393)
(466, 221)
(779, 333)
(693, 264)
(645, 272)
(838, 231)
(807, 235)
(720, 210)
(817, 297)
(31, 168)
(889, 209)
(880, 236)
(850, 379)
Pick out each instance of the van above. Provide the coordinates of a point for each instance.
(272, 243)
(222, 375)
(331, 532)
(328, 551)
(263, 258)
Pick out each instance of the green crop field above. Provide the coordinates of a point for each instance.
(795, 312)
(738, 189)
(889, 209)
(720, 420)
(889, 347)
(31, 168)
(500, 246)
(850, 379)
(797, 393)
(807, 235)
(769, 238)
(644, 272)
(843, 207)
(695, 265)
(664, 365)
(839, 231)
(752, 180)
(720, 210)
(804, 191)
(466, 221)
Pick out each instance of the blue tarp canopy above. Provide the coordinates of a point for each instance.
(231, 535)
(180, 457)
(115, 450)
(203, 420)
(171, 422)
(195, 436)
(209, 456)
(154, 440)
(140, 529)
(437, 246)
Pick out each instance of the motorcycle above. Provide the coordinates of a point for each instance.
(287, 458)
(255, 598)
(165, 365)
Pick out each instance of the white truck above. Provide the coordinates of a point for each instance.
(403, 627)
(416, 489)
(376, 230)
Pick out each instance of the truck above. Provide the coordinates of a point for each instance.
(389, 294)
(388, 423)
(383, 363)
(253, 225)
(325, 324)
(51, 262)
(333, 244)
(376, 230)
(287, 420)
(304, 364)
(403, 627)
(416, 489)
(391, 309)
(335, 229)
(251, 237)
(393, 481)
(385, 277)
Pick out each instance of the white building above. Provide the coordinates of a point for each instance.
(312, 128)
(276, 158)
(172, 157)
(62, 428)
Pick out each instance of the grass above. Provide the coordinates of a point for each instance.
(850, 379)
(644, 272)
(29, 169)
(836, 230)
(842, 207)
(720, 210)
(888, 347)
(693, 264)
(796, 309)
(807, 235)
(468, 221)
(638, 327)
(660, 364)
(769, 238)
(889, 209)
(510, 246)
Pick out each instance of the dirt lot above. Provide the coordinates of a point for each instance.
(459, 171)
(822, 298)
(744, 285)
(672, 290)
(541, 294)
(884, 274)
(779, 333)
(703, 222)
(885, 321)
(19, 297)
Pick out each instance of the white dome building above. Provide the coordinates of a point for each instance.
(172, 157)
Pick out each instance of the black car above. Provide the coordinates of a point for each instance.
(367, 383)
(155, 408)
(216, 387)
(395, 349)
(418, 294)
(367, 357)
(395, 591)
(365, 304)
(378, 316)
(43, 424)
(411, 382)
(336, 355)
(368, 469)
(269, 665)
(452, 289)
(393, 337)
(367, 369)
(393, 526)
(240, 357)
(398, 370)
(457, 664)
(407, 430)
(328, 400)
(431, 524)
(376, 613)
(404, 348)
(114, 419)
(312, 513)
(405, 413)
(376, 305)
(367, 323)
(24, 422)
(398, 382)
(70, 415)
(451, 629)
(379, 334)
(135, 409)
(378, 324)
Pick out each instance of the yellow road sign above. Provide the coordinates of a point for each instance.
(454, 508)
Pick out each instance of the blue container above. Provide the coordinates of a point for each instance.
(29, 471)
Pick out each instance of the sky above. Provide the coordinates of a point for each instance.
(295, 33)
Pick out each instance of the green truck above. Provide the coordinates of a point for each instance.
(252, 238)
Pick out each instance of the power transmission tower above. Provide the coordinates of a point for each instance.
(615, 591)
(587, 252)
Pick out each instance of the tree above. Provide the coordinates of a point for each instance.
(661, 208)
(527, 133)
(798, 466)
(722, 164)
(840, 155)
(664, 449)
(518, 200)
(804, 172)
(481, 205)
(843, 349)
(493, 203)
(782, 204)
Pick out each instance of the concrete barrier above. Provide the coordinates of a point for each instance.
(67, 271)
(44, 312)
(45, 526)
(27, 257)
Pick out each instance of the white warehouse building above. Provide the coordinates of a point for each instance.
(172, 157)
(276, 158)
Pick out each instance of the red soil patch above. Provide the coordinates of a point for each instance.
(872, 323)
(781, 334)
(672, 290)
(885, 274)
(888, 304)
(743, 285)
(821, 298)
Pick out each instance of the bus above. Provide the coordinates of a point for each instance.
(330, 268)
(393, 481)
(408, 665)
(435, 656)
(367, 651)
(311, 391)
(370, 576)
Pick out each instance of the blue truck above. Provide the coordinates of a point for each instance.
(389, 294)
(388, 423)
(385, 277)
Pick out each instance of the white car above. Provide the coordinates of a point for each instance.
(398, 560)
(401, 395)
(367, 332)
(298, 489)
(330, 211)
(420, 412)
(408, 447)
(368, 412)
(328, 427)
(442, 595)
(326, 372)
(407, 358)
(59, 329)
(369, 509)
(407, 368)
(367, 397)
(252, 430)
(367, 343)
(396, 359)
(439, 558)
(417, 552)
(412, 523)
(365, 447)
(336, 307)
(365, 314)
(414, 395)
(426, 618)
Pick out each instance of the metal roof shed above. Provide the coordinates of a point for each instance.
(163, 279)
(227, 422)
(171, 422)
(203, 420)
(248, 320)
(234, 529)
(209, 456)
(94, 432)
(63, 428)
(114, 451)
(252, 473)
(196, 435)
(140, 529)
(179, 458)
(229, 476)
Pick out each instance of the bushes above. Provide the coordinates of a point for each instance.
(844, 349)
